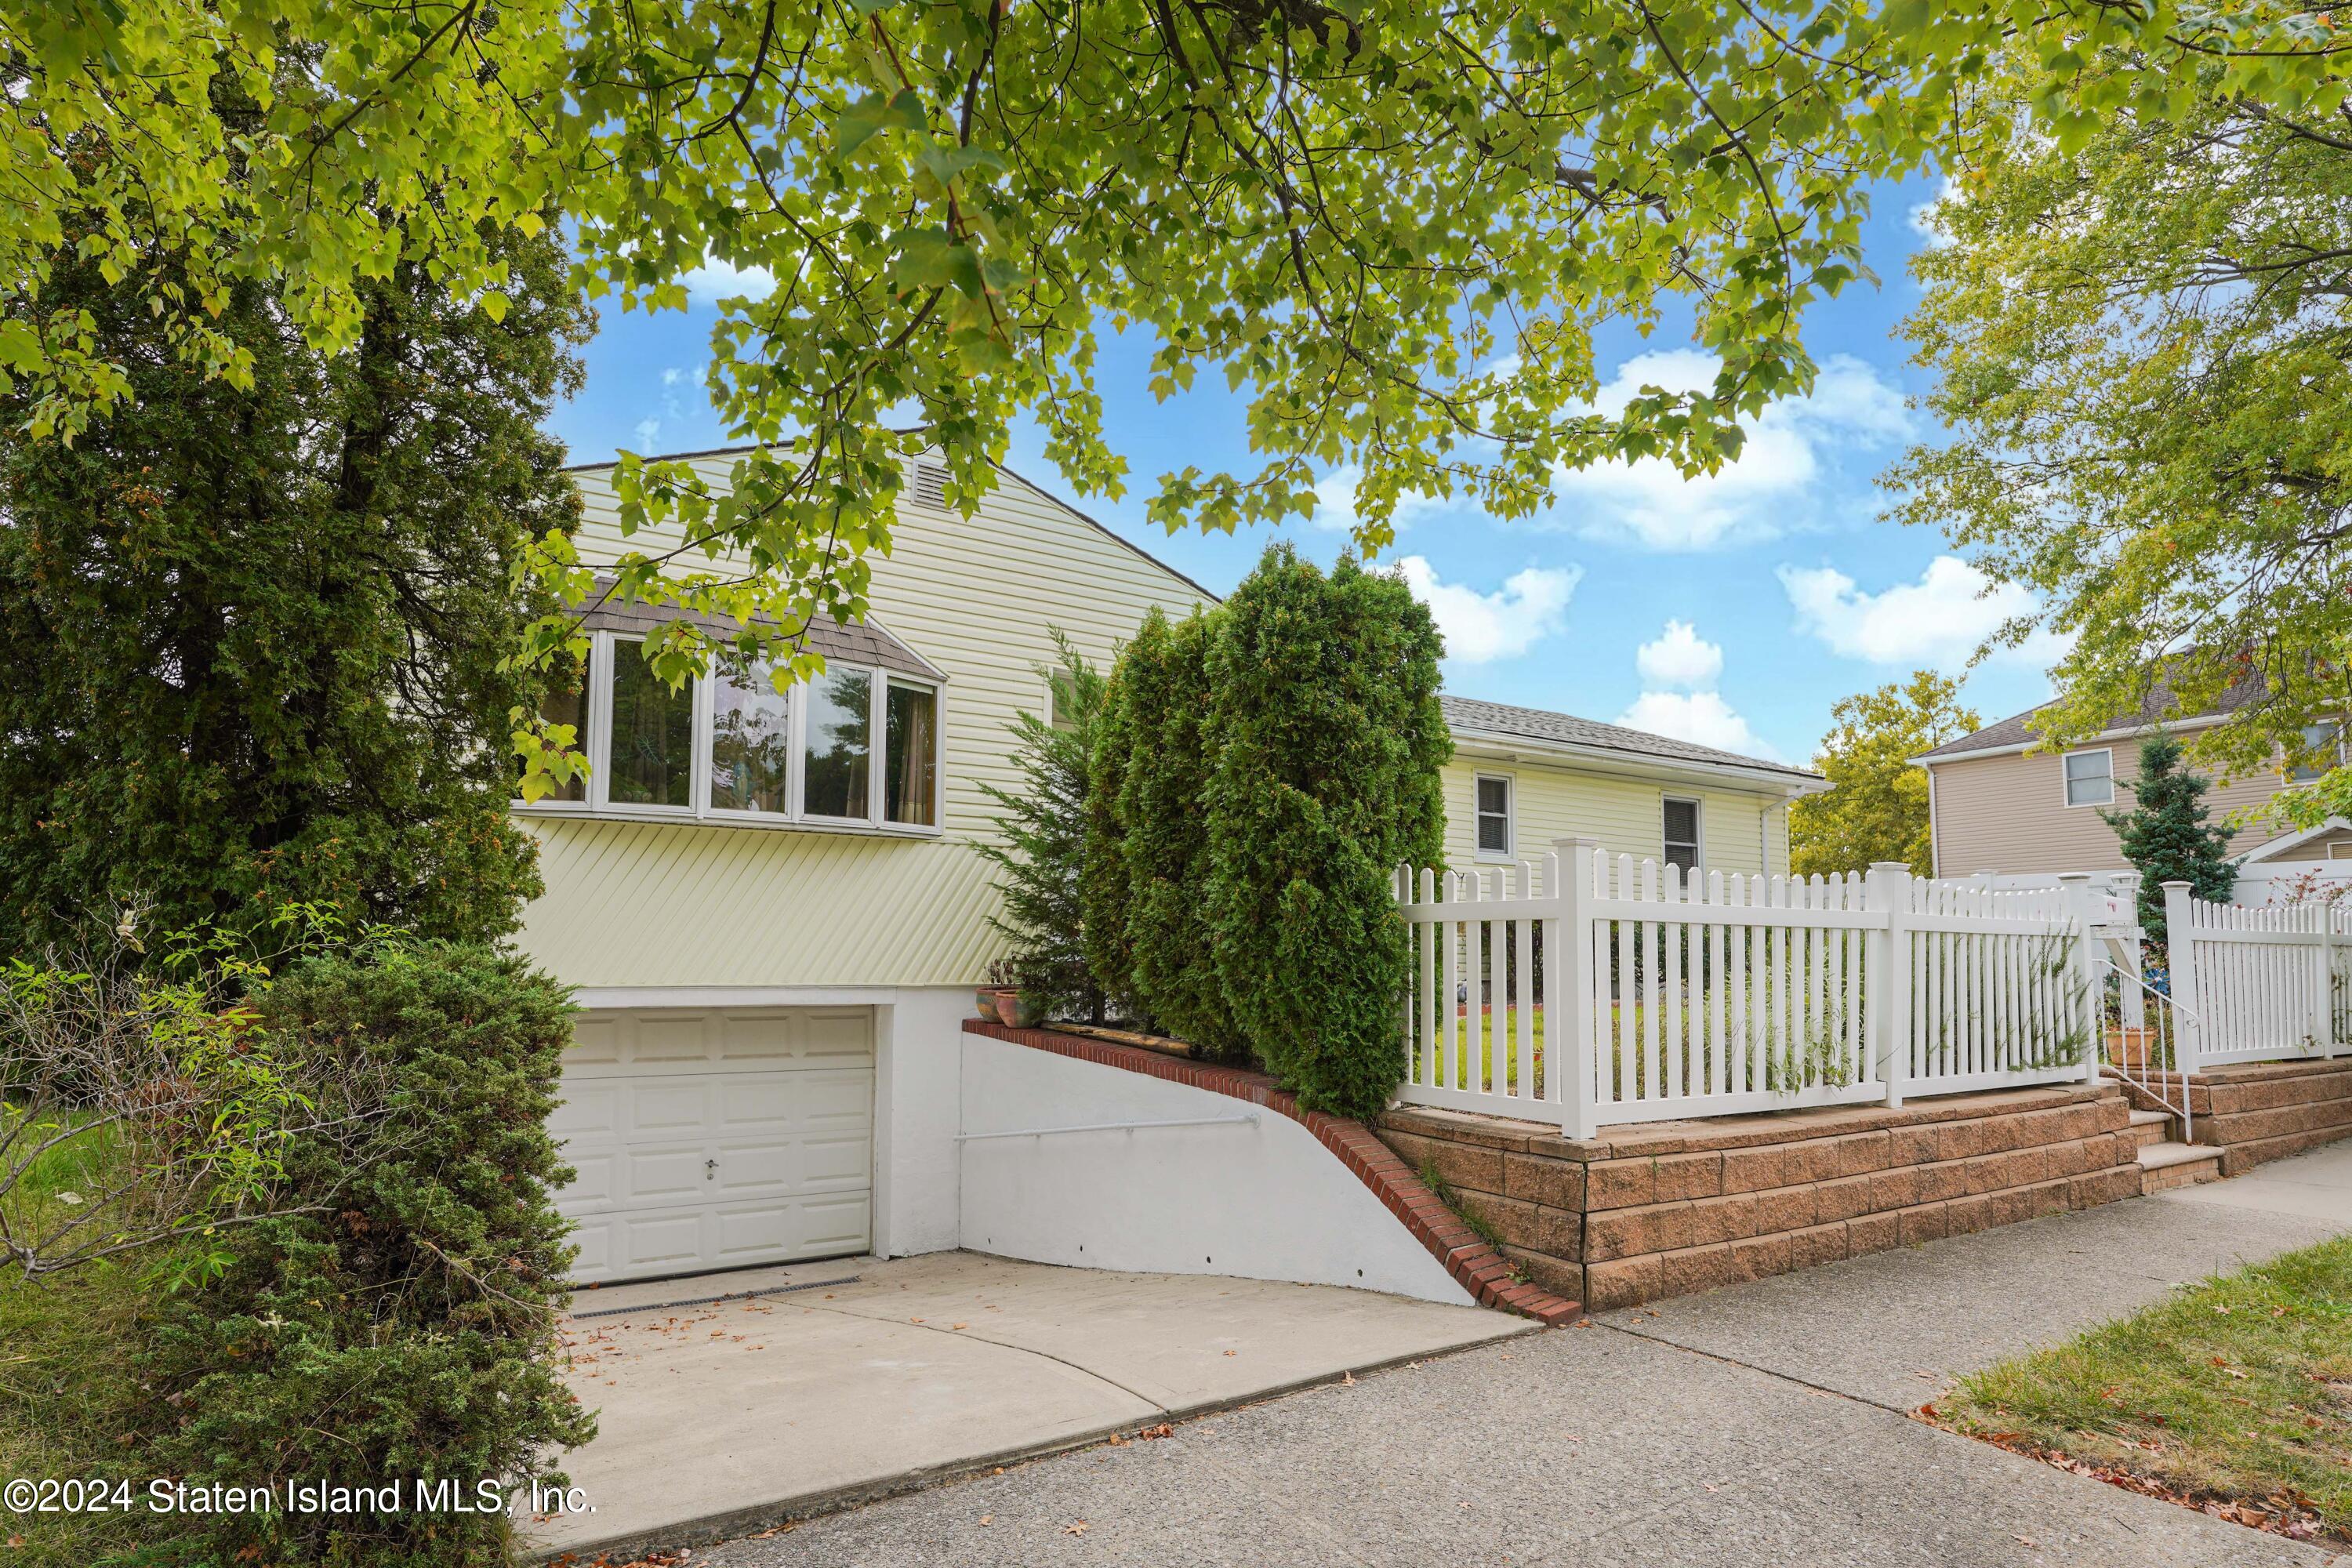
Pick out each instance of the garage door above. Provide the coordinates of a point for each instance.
(718, 1139)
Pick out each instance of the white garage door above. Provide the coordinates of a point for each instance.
(718, 1139)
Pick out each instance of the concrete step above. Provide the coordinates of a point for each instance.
(2166, 1165)
(2153, 1127)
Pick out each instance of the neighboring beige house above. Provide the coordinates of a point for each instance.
(1999, 802)
(771, 911)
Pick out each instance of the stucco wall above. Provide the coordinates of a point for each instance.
(1263, 1200)
(2008, 814)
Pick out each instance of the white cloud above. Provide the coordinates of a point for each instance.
(1679, 657)
(647, 429)
(1939, 620)
(1480, 629)
(716, 279)
(1651, 503)
(1702, 718)
(1922, 215)
(1335, 502)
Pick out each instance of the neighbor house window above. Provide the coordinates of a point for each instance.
(2319, 753)
(1682, 833)
(730, 746)
(751, 743)
(1494, 815)
(910, 783)
(835, 748)
(653, 736)
(2090, 778)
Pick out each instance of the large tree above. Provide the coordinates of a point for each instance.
(2143, 344)
(1876, 805)
(1397, 227)
(252, 636)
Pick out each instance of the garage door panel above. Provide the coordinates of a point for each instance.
(712, 1138)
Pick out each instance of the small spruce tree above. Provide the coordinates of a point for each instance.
(1041, 842)
(2167, 837)
(1103, 870)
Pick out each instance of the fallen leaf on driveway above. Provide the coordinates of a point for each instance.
(1079, 1528)
(988, 1519)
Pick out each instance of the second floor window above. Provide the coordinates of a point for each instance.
(2090, 778)
(2322, 746)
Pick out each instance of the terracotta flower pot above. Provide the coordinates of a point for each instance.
(2130, 1048)
(1014, 1010)
(984, 998)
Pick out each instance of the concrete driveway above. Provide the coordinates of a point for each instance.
(720, 1419)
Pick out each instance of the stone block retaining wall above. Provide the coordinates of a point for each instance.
(1641, 1213)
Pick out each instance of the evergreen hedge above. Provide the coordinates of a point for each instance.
(1262, 769)
(406, 1329)
(1103, 870)
(1328, 744)
(1165, 843)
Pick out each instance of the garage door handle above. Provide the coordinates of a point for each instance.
(709, 1170)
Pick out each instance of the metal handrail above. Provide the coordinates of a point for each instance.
(2167, 1044)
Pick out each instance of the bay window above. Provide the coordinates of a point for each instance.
(731, 748)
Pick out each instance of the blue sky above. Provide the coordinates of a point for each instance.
(1731, 610)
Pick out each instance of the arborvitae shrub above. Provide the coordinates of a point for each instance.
(1328, 740)
(1102, 875)
(1166, 834)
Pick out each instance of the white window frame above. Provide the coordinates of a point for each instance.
(597, 745)
(1698, 829)
(1510, 816)
(2066, 784)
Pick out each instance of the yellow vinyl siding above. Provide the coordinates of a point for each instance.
(631, 903)
(1627, 814)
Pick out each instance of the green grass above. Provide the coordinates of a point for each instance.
(70, 1386)
(2237, 1391)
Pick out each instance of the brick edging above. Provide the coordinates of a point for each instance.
(1475, 1265)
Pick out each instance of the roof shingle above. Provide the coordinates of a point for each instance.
(1537, 724)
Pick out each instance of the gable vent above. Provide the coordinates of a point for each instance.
(929, 486)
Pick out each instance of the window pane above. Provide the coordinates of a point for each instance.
(2319, 754)
(1682, 854)
(1494, 794)
(2089, 779)
(652, 735)
(566, 702)
(1493, 834)
(1681, 822)
(911, 787)
(750, 746)
(840, 718)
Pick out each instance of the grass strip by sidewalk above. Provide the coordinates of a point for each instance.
(2234, 1397)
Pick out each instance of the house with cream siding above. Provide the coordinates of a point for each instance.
(2001, 802)
(771, 911)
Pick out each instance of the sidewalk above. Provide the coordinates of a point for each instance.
(1760, 1424)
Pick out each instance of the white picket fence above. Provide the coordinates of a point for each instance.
(2272, 983)
(1585, 990)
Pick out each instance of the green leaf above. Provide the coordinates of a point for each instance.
(872, 114)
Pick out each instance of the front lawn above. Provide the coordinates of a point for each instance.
(2235, 1395)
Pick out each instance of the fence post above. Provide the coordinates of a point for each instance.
(1886, 974)
(1568, 960)
(2180, 971)
(2323, 1034)
(2082, 907)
